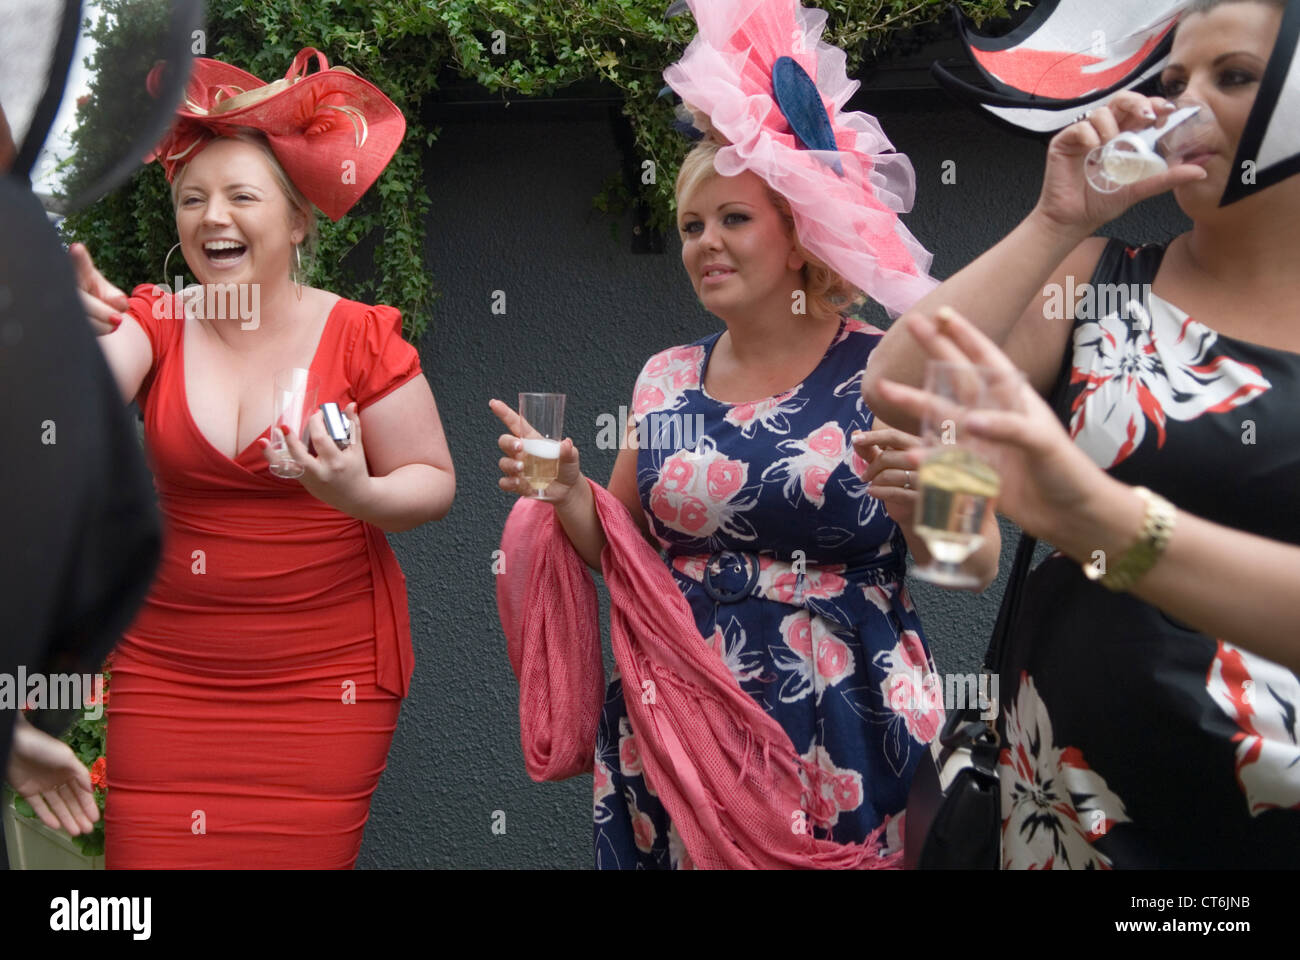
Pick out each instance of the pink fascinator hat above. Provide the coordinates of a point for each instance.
(775, 92)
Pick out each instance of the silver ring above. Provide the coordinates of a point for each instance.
(907, 479)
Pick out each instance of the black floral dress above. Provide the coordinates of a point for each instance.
(1129, 739)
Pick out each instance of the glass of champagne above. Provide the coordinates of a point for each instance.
(293, 403)
(1137, 154)
(544, 412)
(958, 481)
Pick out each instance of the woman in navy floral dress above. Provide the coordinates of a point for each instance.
(743, 498)
(745, 477)
(740, 466)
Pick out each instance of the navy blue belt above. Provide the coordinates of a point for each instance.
(729, 576)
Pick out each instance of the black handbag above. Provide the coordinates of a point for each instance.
(954, 808)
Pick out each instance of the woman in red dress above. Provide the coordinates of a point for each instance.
(255, 696)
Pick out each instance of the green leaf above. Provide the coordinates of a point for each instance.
(400, 46)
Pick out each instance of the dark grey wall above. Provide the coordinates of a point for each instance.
(512, 212)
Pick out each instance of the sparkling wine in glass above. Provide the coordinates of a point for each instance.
(544, 412)
(958, 481)
(1138, 154)
(957, 489)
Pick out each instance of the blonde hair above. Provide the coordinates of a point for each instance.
(827, 291)
(291, 193)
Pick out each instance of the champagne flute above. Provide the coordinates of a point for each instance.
(544, 412)
(958, 481)
(293, 402)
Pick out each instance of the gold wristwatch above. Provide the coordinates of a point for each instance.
(1157, 526)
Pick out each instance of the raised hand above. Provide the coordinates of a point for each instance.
(1067, 200)
(1045, 477)
(104, 302)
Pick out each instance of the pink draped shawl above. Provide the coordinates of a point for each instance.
(725, 771)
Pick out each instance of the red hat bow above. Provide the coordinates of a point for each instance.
(331, 131)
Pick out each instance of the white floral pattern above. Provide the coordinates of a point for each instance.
(602, 787)
(812, 656)
(1263, 699)
(1155, 368)
(666, 378)
(783, 583)
(730, 645)
(1054, 807)
(911, 687)
(852, 386)
(856, 488)
(771, 414)
(643, 826)
(629, 760)
(678, 856)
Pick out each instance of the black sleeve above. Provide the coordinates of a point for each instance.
(83, 534)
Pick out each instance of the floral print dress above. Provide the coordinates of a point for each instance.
(1131, 740)
(794, 574)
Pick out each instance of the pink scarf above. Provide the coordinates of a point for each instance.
(725, 771)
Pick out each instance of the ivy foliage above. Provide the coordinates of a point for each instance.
(511, 48)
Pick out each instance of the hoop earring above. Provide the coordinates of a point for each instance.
(167, 281)
(297, 274)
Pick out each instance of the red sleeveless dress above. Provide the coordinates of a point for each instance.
(255, 696)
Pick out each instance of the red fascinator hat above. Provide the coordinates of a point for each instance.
(332, 131)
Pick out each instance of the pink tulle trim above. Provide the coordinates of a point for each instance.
(850, 222)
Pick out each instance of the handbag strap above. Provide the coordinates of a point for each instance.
(1010, 603)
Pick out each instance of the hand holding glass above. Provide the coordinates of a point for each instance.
(1138, 154)
(293, 403)
(544, 412)
(958, 481)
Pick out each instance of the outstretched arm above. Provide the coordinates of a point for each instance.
(128, 352)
